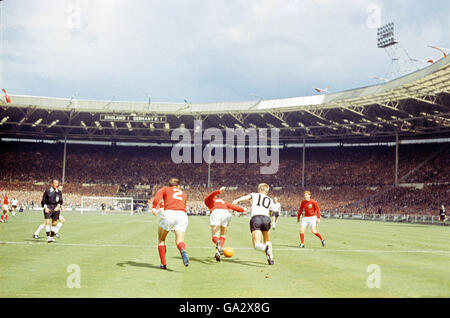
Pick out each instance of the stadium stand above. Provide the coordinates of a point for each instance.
(350, 179)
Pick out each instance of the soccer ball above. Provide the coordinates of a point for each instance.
(228, 251)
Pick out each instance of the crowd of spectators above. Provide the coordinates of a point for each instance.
(355, 178)
(405, 201)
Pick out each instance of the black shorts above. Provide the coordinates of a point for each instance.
(275, 214)
(442, 217)
(260, 222)
(54, 215)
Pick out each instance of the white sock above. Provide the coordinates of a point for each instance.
(47, 229)
(39, 229)
(260, 247)
(57, 227)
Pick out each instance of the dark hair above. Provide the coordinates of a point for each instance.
(173, 182)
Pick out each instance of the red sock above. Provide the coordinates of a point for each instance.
(302, 238)
(215, 239)
(2, 216)
(6, 217)
(318, 235)
(222, 240)
(181, 245)
(162, 254)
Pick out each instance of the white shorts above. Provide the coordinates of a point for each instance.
(5, 207)
(171, 220)
(220, 217)
(309, 221)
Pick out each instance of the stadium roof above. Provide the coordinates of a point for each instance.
(412, 106)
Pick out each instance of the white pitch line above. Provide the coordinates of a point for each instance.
(237, 248)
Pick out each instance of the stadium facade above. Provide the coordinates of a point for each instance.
(410, 107)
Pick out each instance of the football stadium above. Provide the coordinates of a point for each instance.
(374, 158)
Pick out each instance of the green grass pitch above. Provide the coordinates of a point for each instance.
(117, 257)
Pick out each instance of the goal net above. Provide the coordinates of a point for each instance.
(107, 205)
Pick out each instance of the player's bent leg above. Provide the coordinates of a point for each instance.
(48, 230)
(223, 230)
(162, 250)
(269, 251)
(38, 230)
(179, 239)
(222, 238)
(57, 228)
(314, 230)
(53, 227)
(302, 236)
(162, 234)
(256, 240)
(215, 232)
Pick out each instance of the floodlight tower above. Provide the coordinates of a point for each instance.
(401, 62)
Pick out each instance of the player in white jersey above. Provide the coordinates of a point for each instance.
(14, 206)
(260, 219)
(56, 229)
(275, 212)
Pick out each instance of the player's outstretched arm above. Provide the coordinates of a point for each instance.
(235, 207)
(299, 213)
(43, 202)
(209, 200)
(243, 198)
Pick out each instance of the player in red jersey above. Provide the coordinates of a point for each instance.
(311, 217)
(220, 218)
(5, 209)
(172, 218)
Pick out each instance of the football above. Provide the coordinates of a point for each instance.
(228, 251)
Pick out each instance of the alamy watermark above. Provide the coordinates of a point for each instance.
(373, 20)
(74, 279)
(228, 147)
(73, 11)
(374, 279)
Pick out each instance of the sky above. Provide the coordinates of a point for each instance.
(207, 50)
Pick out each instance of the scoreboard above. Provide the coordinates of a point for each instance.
(133, 118)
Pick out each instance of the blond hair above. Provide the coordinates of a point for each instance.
(263, 187)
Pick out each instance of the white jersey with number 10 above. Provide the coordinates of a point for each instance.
(261, 204)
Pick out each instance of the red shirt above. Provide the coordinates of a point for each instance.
(310, 207)
(214, 204)
(5, 200)
(174, 199)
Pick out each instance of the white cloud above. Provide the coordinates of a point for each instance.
(206, 50)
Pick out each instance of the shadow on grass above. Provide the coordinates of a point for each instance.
(145, 265)
(211, 260)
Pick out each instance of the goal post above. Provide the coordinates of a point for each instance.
(107, 205)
